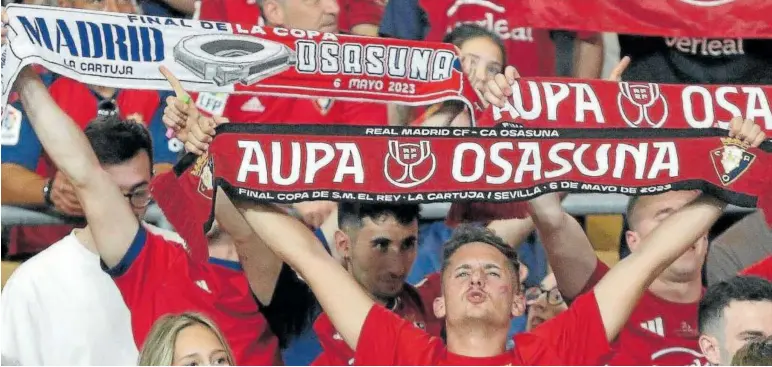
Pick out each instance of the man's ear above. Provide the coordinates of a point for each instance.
(342, 244)
(633, 239)
(523, 272)
(273, 12)
(518, 305)
(439, 307)
(710, 349)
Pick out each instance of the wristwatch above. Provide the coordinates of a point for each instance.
(47, 193)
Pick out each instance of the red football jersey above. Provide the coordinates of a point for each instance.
(659, 332)
(761, 269)
(156, 277)
(297, 111)
(575, 337)
(233, 11)
(530, 50)
(336, 352)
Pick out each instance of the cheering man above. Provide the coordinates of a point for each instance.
(480, 293)
(155, 276)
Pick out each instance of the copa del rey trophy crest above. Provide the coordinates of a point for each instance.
(409, 164)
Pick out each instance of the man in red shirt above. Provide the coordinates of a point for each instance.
(155, 276)
(663, 326)
(480, 288)
(732, 313)
(375, 243)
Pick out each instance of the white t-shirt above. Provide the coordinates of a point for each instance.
(61, 308)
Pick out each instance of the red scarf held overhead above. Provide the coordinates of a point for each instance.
(537, 103)
(675, 18)
(275, 163)
(583, 104)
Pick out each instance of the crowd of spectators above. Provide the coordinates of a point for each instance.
(115, 290)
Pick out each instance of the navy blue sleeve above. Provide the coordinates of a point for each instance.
(131, 254)
(165, 150)
(20, 143)
(404, 19)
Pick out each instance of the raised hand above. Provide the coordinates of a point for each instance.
(177, 106)
(499, 88)
(747, 131)
(63, 196)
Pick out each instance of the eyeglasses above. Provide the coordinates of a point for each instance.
(139, 199)
(107, 107)
(553, 295)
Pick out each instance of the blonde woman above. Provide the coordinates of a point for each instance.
(187, 339)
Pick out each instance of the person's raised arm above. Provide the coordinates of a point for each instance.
(588, 55)
(261, 265)
(619, 291)
(344, 301)
(512, 231)
(107, 211)
(569, 251)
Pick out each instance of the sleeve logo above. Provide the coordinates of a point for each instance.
(204, 170)
(11, 126)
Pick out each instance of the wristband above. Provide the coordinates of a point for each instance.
(47, 193)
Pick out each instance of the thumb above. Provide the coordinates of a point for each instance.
(511, 74)
(179, 91)
(616, 74)
(219, 120)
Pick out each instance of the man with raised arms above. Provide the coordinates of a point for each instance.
(481, 293)
(663, 326)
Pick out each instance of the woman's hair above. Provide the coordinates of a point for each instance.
(466, 32)
(158, 349)
(755, 353)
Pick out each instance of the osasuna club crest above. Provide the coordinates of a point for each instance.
(731, 160)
